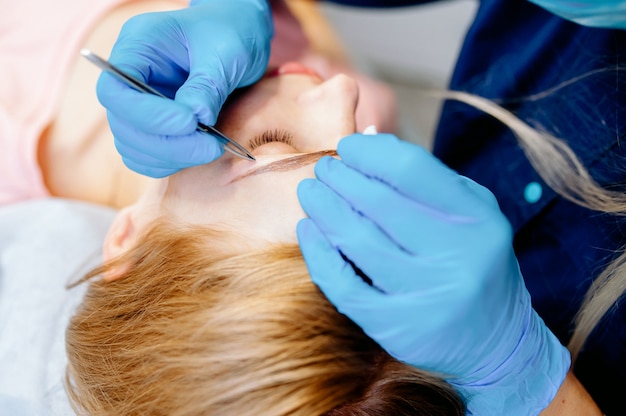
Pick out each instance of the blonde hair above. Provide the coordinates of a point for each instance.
(562, 170)
(195, 328)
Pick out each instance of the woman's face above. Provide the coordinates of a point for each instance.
(290, 112)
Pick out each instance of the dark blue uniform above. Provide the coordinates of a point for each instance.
(513, 53)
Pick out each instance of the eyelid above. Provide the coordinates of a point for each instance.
(271, 136)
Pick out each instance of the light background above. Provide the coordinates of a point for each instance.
(412, 48)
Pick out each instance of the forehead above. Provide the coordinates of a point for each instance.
(264, 207)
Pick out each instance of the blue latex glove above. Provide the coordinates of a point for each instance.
(595, 13)
(447, 294)
(197, 56)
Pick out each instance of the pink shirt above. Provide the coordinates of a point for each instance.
(39, 42)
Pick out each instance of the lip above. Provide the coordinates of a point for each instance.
(293, 68)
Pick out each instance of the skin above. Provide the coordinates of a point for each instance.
(572, 399)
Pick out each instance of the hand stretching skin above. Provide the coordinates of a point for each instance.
(446, 292)
(197, 56)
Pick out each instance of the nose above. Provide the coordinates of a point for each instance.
(331, 111)
(339, 87)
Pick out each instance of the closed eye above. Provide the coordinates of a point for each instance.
(271, 136)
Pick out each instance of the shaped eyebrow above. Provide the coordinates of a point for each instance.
(288, 163)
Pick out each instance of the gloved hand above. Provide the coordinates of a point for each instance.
(595, 13)
(197, 56)
(446, 291)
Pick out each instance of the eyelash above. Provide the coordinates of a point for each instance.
(271, 136)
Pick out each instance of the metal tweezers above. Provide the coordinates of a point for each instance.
(229, 144)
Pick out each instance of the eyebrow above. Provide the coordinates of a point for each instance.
(288, 163)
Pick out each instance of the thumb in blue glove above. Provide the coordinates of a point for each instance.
(446, 293)
(197, 56)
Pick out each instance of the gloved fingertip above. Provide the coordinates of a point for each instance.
(306, 230)
(107, 88)
(354, 143)
(312, 195)
(312, 237)
(313, 245)
(325, 167)
(149, 171)
(205, 149)
(305, 187)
